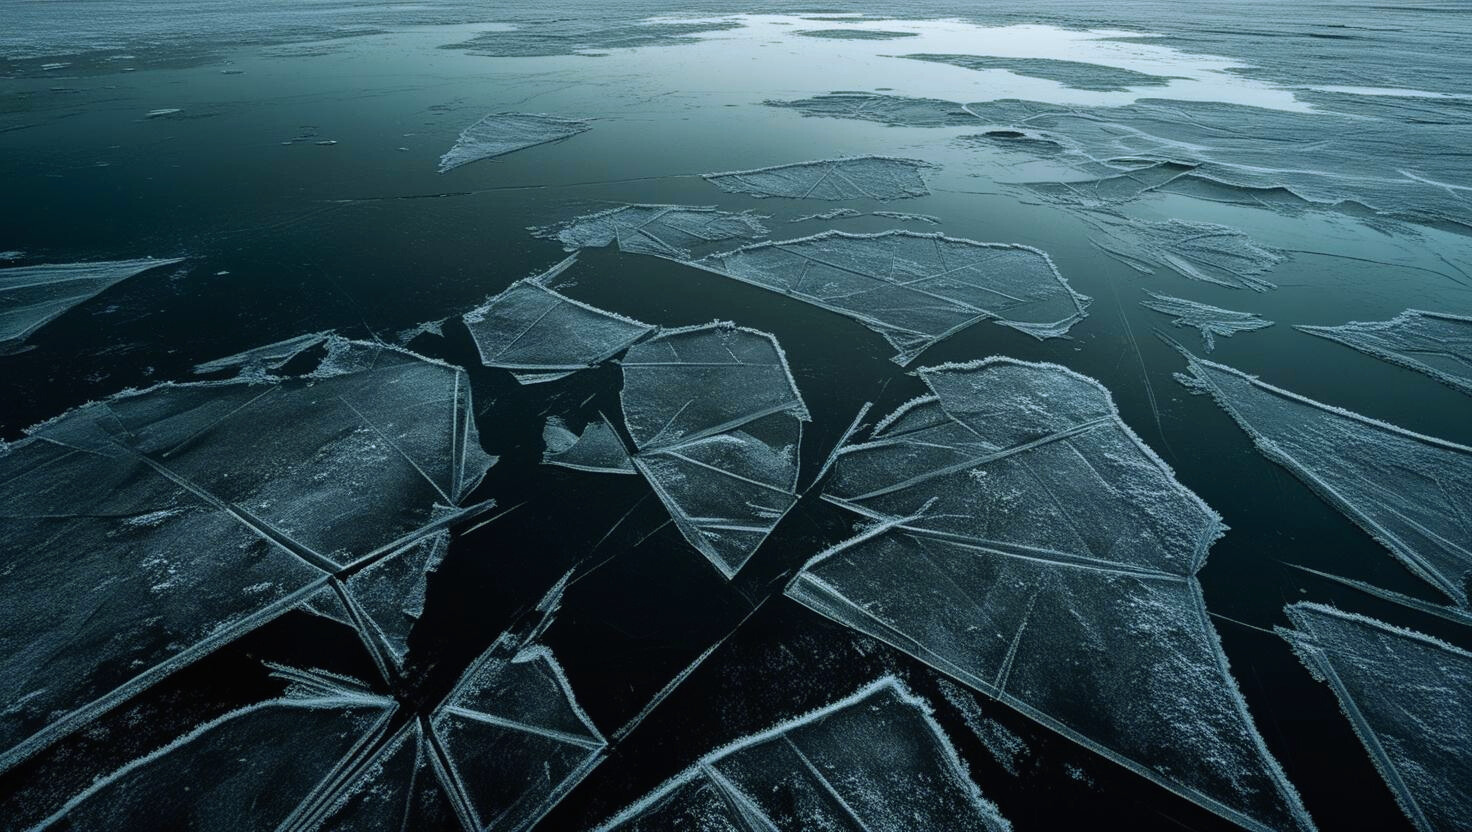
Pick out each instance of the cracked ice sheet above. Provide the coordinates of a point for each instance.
(500, 133)
(1026, 542)
(218, 520)
(672, 231)
(914, 289)
(259, 361)
(893, 110)
(1211, 321)
(1200, 251)
(716, 420)
(1411, 492)
(874, 762)
(1434, 343)
(597, 449)
(872, 177)
(1408, 697)
(33, 296)
(541, 335)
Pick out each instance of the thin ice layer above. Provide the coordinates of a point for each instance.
(874, 762)
(33, 296)
(1211, 321)
(716, 420)
(598, 449)
(893, 110)
(1075, 74)
(145, 530)
(1434, 343)
(914, 289)
(1412, 493)
(1409, 698)
(673, 231)
(265, 358)
(397, 789)
(540, 334)
(1026, 542)
(1199, 251)
(868, 177)
(500, 133)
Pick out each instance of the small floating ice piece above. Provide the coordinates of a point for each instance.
(835, 214)
(33, 296)
(914, 289)
(874, 762)
(1412, 493)
(1210, 320)
(903, 217)
(1026, 542)
(164, 111)
(671, 231)
(541, 335)
(1075, 74)
(1434, 343)
(855, 34)
(500, 133)
(894, 110)
(716, 419)
(258, 360)
(1409, 698)
(598, 449)
(871, 177)
(1199, 251)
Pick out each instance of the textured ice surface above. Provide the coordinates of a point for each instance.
(1412, 493)
(835, 214)
(261, 360)
(1434, 343)
(559, 35)
(716, 420)
(540, 335)
(673, 231)
(1210, 320)
(903, 217)
(397, 789)
(501, 133)
(1082, 76)
(913, 289)
(1200, 251)
(256, 768)
(874, 762)
(1409, 698)
(893, 110)
(1026, 542)
(597, 449)
(33, 296)
(871, 177)
(854, 34)
(147, 529)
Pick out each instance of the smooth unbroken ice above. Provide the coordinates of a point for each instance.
(914, 289)
(1025, 541)
(1434, 343)
(1412, 493)
(874, 762)
(673, 231)
(147, 529)
(858, 177)
(716, 420)
(33, 296)
(1409, 698)
(500, 133)
(1211, 321)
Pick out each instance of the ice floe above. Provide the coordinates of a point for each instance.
(261, 360)
(1435, 343)
(928, 219)
(1075, 74)
(855, 34)
(567, 36)
(1025, 541)
(1409, 698)
(854, 177)
(597, 449)
(33, 296)
(1210, 320)
(874, 762)
(673, 231)
(1200, 251)
(894, 110)
(834, 214)
(500, 133)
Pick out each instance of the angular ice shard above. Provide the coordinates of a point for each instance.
(145, 530)
(870, 177)
(1409, 698)
(397, 789)
(33, 296)
(874, 762)
(597, 449)
(386, 596)
(894, 110)
(672, 231)
(261, 360)
(1026, 542)
(1434, 343)
(1076, 74)
(716, 420)
(914, 289)
(500, 133)
(1210, 320)
(1199, 251)
(541, 335)
(1412, 493)
(255, 768)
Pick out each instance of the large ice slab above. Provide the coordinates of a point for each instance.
(914, 289)
(147, 529)
(874, 762)
(1075, 74)
(1209, 320)
(1412, 493)
(869, 177)
(1199, 251)
(540, 334)
(716, 419)
(1025, 541)
(1435, 343)
(33, 296)
(673, 231)
(500, 133)
(1409, 698)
